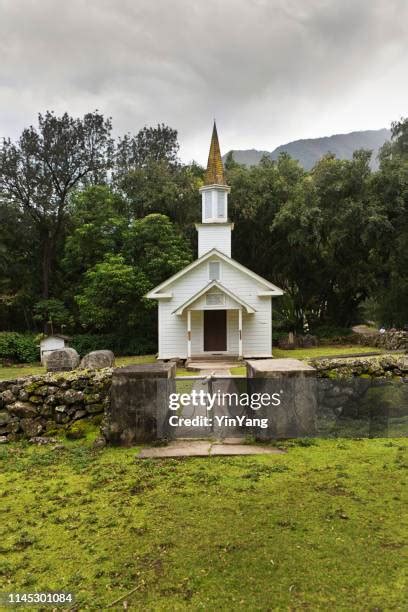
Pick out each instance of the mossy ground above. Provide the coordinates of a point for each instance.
(320, 527)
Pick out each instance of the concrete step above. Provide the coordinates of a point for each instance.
(195, 366)
(214, 357)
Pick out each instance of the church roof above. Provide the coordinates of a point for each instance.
(155, 293)
(215, 170)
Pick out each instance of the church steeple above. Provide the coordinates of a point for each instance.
(214, 231)
(215, 170)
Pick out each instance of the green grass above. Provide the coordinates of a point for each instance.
(318, 351)
(29, 369)
(318, 528)
(321, 351)
(139, 359)
(184, 372)
(19, 371)
(35, 368)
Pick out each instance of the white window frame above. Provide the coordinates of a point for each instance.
(221, 199)
(211, 202)
(208, 205)
(214, 261)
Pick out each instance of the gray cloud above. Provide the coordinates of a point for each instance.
(270, 70)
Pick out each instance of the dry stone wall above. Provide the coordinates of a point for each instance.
(390, 341)
(33, 406)
(381, 366)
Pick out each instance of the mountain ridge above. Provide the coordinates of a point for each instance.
(309, 150)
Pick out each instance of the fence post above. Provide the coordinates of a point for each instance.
(295, 381)
(138, 403)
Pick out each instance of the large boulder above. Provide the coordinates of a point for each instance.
(97, 360)
(62, 360)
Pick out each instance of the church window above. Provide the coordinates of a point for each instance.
(208, 205)
(221, 204)
(214, 270)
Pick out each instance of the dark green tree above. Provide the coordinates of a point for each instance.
(390, 256)
(41, 169)
(150, 144)
(156, 246)
(98, 220)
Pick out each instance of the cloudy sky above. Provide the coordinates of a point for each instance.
(270, 71)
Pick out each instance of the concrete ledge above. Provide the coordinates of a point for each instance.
(205, 448)
(147, 370)
(276, 368)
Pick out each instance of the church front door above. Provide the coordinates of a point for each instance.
(215, 330)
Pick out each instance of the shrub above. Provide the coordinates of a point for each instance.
(21, 348)
(120, 345)
(331, 331)
(278, 335)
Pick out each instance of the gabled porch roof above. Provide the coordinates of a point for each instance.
(211, 285)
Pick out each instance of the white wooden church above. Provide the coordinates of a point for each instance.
(215, 306)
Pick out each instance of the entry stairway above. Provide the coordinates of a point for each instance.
(213, 362)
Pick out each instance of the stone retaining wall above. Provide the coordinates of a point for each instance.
(381, 366)
(32, 406)
(390, 341)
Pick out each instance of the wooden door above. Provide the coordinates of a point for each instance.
(215, 330)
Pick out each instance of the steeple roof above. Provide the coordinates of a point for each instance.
(215, 170)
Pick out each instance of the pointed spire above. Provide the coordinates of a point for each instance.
(215, 171)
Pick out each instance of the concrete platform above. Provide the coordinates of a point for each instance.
(181, 448)
(268, 368)
(205, 448)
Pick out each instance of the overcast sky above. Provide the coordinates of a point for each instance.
(270, 71)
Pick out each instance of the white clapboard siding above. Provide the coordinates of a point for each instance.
(197, 332)
(232, 332)
(214, 236)
(257, 327)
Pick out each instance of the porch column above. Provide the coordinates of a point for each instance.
(240, 332)
(188, 333)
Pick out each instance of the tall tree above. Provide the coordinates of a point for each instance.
(150, 144)
(111, 295)
(390, 189)
(99, 218)
(45, 165)
(156, 246)
(19, 270)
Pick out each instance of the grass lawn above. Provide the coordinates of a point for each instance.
(329, 350)
(318, 528)
(36, 368)
(18, 371)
